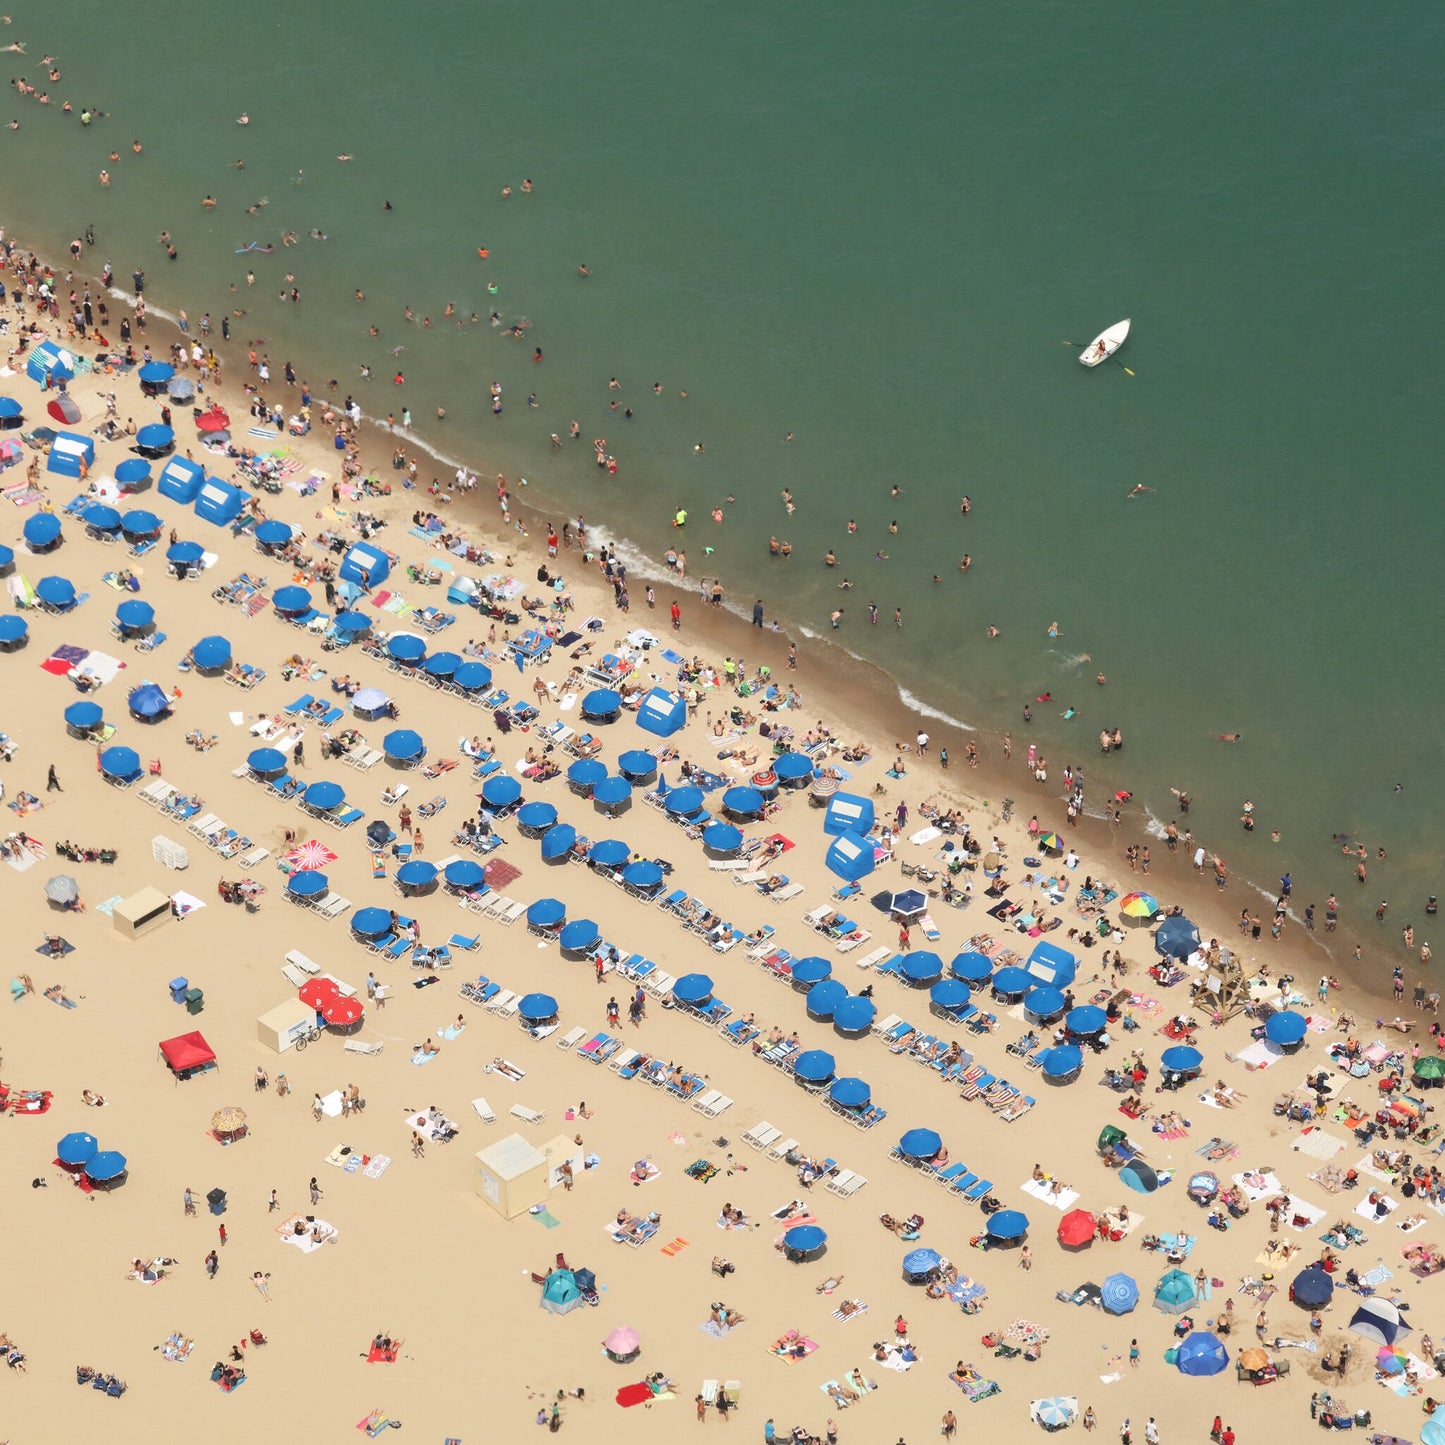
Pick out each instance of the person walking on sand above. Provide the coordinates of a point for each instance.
(403, 819)
(213, 1263)
(190, 1202)
(274, 1204)
(221, 1233)
(950, 1424)
(52, 783)
(315, 1191)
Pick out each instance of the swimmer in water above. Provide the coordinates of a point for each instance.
(1141, 488)
(1053, 629)
(343, 158)
(243, 119)
(1230, 737)
(583, 272)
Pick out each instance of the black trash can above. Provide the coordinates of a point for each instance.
(217, 1201)
(195, 1000)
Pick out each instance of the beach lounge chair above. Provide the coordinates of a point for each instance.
(786, 894)
(726, 865)
(505, 1004)
(571, 1038)
(466, 943)
(345, 818)
(781, 1148)
(713, 1108)
(658, 983)
(299, 960)
(963, 1183)
(750, 877)
(761, 1135)
(508, 916)
(499, 904)
(620, 1063)
(200, 827)
(976, 1191)
(949, 1173)
(855, 939)
(333, 905)
(363, 1046)
(528, 1116)
(815, 916)
(484, 1111)
(846, 1183)
(254, 856)
(885, 1025)
(1017, 1109)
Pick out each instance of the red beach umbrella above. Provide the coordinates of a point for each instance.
(342, 1013)
(1076, 1228)
(317, 993)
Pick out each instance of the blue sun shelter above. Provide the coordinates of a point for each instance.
(364, 564)
(1051, 966)
(49, 363)
(69, 453)
(662, 713)
(181, 480)
(850, 857)
(848, 813)
(218, 503)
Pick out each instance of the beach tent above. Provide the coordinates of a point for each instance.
(1174, 1293)
(1139, 1176)
(850, 857)
(365, 564)
(560, 1293)
(186, 1054)
(662, 713)
(1202, 1354)
(50, 362)
(1378, 1320)
(1432, 1432)
(68, 452)
(511, 1175)
(62, 408)
(218, 503)
(181, 480)
(848, 813)
(1051, 965)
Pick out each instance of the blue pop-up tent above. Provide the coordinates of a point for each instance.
(848, 813)
(218, 503)
(181, 479)
(365, 564)
(69, 453)
(662, 712)
(50, 362)
(1051, 965)
(850, 857)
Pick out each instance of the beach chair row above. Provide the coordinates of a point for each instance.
(957, 1179)
(487, 994)
(768, 1140)
(626, 1063)
(225, 841)
(843, 933)
(954, 1066)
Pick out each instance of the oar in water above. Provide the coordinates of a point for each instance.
(1114, 359)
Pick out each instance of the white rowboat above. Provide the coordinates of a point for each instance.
(1105, 344)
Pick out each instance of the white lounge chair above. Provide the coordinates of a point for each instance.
(498, 905)
(333, 905)
(704, 1102)
(761, 1135)
(852, 941)
(749, 876)
(296, 977)
(814, 917)
(529, 1116)
(717, 865)
(780, 1148)
(846, 1183)
(363, 1046)
(571, 1038)
(714, 1107)
(506, 999)
(254, 856)
(883, 1025)
(872, 960)
(484, 1111)
(299, 960)
(787, 894)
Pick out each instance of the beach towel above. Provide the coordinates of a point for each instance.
(452, 1031)
(1318, 1144)
(378, 1166)
(859, 1308)
(702, 1170)
(544, 1216)
(675, 1246)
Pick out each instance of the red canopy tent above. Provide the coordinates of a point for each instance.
(186, 1054)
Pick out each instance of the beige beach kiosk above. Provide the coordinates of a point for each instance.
(141, 913)
(278, 1027)
(511, 1175)
(559, 1151)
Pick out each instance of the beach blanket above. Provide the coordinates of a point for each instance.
(1258, 1186)
(304, 1241)
(792, 1346)
(1387, 1206)
(703, 1170)
(1318, 1144)
(1043, 1190)
(1260, 1054)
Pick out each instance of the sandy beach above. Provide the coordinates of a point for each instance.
(410, 1251)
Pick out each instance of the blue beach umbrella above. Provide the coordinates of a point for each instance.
(464, 873)
(148, 700)
(9, 408)
(537, 1007)
(83, 715)
(403, 744)
(612, 792)
(546, 913)
(608, 853)
(417, 873)
(132, 471)
(1201, 1353)
(352, 622)
(824, 997)
(55, 591)
(579, 935)
(685, 801)
(211, 653)
(721, 838)
(1286, 1028)
(815, 1066)
(1044, 1004)
(536, 817)
(909, 902)
(102, 518)
(135, 613)
(155, 437)
(693, 988)
(406, 647)
(371, 922)
(180, 388)
(1062, 1062)
(138, 522)
(324, 796)
(808, 971)
(637, 764)
(949, 993)
(273, 532)
(1012, 983)
(1176, 937)
(920, 1144)
(77, 1149)
(156, 372)
(41, 530)
(972, 967)
(105, 1165)
(850, 1092)
(1181, 1059)
(854, 1015)
(308, 884)
(185, 554)
(13, 628)
(266, 760)
(1086, 1020)
(7, 556)
(793, 767)
(586, 773)
(642, 874)
(805, 1238)
(1007, 1225)
(922, 967)
(442, 664)
(1056, 1412)
(743, 802)
(602, 704)
(472, 676)
(1119, 1294)
(501, 790)
(1312, 1288)
(920, 1262)
(559, 840)
(119, 762)
(291, 599)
